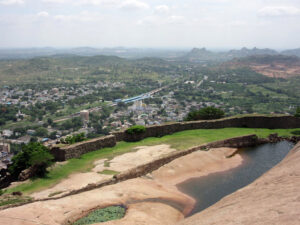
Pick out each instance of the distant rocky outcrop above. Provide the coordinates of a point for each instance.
(295, 52)
(203, 55)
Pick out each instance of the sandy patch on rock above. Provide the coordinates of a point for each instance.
(99, 165)
(120, 163)
(57, 212)
(145, 154)
(75, 181)
(197, 164)
(138, 214)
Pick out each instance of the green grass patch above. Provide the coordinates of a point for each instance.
(102, 215)
(109, 172)
(55, 193)
(107, 163)
(180, 141)
(296, 132)
(11, 200)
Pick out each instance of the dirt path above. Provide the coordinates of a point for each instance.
(153, 199)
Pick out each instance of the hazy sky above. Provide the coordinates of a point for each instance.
(150, 23)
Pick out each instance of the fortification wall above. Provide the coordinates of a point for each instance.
(76, 150)
(274, 122)
(243, 141)
(271, 122)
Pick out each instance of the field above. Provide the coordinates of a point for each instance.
(180, 141)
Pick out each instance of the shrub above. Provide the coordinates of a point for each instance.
(72, 139)
(102, 215)
(297, 114)
(137, 129)
(296, 132)
(208, 113)
(32, 155)
(41, 132)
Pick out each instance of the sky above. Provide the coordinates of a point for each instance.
(150, 23)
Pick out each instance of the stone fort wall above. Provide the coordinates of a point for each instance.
(270, 122)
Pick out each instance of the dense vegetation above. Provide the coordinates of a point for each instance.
(102, 215)
(32, 155)
(137, 129)
(7, 113)
(71, 139)
(207, 113)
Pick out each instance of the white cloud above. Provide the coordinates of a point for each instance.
(238, 23)
(279, 11)
(12, 2)
(56, 1)
(162, 9)
(84, 16)
(160, 20)
(133, 5)
(121, 4)
(43, 14)
(175, 19)
(98, 2)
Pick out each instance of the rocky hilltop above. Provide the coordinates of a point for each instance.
(274, 198)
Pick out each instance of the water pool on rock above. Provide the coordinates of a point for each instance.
(210, 189)
(102, 215)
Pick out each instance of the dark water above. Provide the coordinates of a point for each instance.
(257, 160)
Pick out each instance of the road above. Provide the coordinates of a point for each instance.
(128, 100)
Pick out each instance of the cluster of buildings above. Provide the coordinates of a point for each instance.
(153, 113)
(17, 96)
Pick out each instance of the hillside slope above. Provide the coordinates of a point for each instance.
(278, 66)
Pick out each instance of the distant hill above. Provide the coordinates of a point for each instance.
(295, 52)
(244, 52)
(203, 55)
(270, 65)
(73, 67)
(25, 53)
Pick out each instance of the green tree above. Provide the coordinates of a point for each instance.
(50, 121)
(41, 132)
(32, 155)
(137, 129)
(207, 113)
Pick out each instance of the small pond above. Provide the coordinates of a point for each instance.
(256, 161)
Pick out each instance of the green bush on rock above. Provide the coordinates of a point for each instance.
(137, 129)
(72, 139)
(102, 215)
(207, 113)
(296, 132)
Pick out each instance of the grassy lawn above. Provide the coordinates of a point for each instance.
(180, 141)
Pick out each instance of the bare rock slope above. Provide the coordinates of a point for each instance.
(274, 198)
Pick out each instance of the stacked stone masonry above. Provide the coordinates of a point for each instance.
(270, 122)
